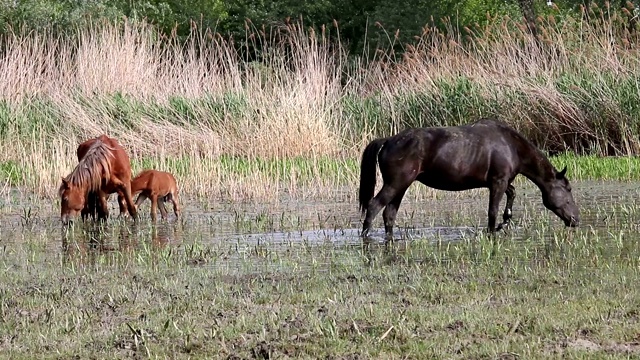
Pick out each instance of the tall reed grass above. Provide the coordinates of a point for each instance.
(299, 95)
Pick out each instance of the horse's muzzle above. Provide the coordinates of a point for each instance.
(66, 221)
(573, 222)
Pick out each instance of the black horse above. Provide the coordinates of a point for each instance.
(484, 154)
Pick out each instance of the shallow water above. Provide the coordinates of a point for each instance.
(249, 237)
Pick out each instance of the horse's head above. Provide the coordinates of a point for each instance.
(557, 197)
(72, 198)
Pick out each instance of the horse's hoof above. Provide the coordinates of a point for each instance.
(502, 226)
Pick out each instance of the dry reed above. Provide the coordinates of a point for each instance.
(204, 99)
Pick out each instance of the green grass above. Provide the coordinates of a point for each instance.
(625, 168)
(220, 285)
(305, 171)
(529, 297)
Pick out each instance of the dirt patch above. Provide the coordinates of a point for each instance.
(609, 347)
(583, 344)
(456, 325)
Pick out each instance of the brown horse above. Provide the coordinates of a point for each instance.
(156, 185)
(91, 207)
(103, 169)
(485, 154)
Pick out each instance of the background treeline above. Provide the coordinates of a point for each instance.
(362, 24)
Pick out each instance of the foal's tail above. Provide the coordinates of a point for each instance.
(368, 172)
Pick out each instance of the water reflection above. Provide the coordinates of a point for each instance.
(90, 242)
(248, 237)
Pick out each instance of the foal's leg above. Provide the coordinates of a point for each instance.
(496, 191)
(154, 206)
(506, 217)
(384, 197)
(176, 207)
(142, 197)
(163, 210)
(390, 212)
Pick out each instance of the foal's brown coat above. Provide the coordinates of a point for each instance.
(156, 185)
(103, 168)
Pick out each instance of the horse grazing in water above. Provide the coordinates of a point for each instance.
(103, 168)
(156, 185)
(91, 204)
(484, 154)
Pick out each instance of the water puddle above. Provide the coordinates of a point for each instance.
(242, 234)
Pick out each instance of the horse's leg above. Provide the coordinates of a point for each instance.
(163, 210)
(154, 206)
(384, 197)
(95, 209)
(496, 191)
(176, 206)
(126, 190)
(103, 210)
(142, 197)
(122, 204)
(390, 212)
(506, 217)
(173, 197)
(89, 208)
(98, 211)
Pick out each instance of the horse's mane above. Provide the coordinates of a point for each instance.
(93, 167)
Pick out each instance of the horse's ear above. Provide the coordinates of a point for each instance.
(65, 183)
(562, 173)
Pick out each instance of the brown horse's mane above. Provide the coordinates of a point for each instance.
(93, 167)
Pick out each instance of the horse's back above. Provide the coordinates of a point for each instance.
(120, 162)
(119, 165)
(111, 143)
(452, 158)
(154, 181)
(83, 148)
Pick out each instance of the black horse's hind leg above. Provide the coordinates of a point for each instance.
(389, 214)
(506, 217)
(384, 197)
(496, 191)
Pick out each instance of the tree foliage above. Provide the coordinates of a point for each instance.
(361, 23)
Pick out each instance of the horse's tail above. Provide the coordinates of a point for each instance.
(368, 172)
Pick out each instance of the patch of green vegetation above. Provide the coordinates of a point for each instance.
(13, 173)
(365, 115)
(22, 121)
(303, 169)
(303, 172)
(179, 166)
(625, 168)
(123, 291)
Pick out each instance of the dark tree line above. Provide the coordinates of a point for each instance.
(360, 22)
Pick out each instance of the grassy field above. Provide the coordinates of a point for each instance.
(244, 136)
(544, 293)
